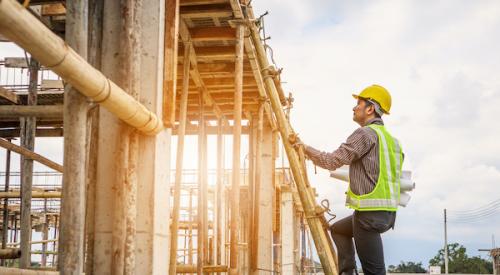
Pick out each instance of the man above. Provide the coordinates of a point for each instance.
(375, 160)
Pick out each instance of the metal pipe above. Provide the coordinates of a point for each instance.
(19, 26)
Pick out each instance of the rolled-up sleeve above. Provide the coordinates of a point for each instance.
(356, 146)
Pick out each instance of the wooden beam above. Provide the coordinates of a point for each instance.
(201, 2)
(211, 130)
(182, 269)
(34, 195)
(181, 131)
(206, 54)
(53, 9)
(39, 111)
(203, 11)
(40, 132)
(30, 155)
(235, 186)
(170, 61)
(9, 95)
(15, 62)
(184, 34)
(212, 34)
(71, 246)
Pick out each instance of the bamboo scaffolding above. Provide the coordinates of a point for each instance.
(34, 195)
(201, 237)
(235, 188)
(72, 223)
(219, 190)
(5, 225)
(315, 219)
(19, 26)
(181, 130)
(258, 176)
(170, 61)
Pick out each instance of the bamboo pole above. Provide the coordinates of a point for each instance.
(181, 130)
(202, 229)
(96, 8)
(19, 26)
(235, 188)
(28, 128)
(45, 234)
(251, 190)
(75, 124)
(322, 241)
(219, 188)
(190, 228)
(258, 176)
(39, 111)
(5, 225)
(30, 155)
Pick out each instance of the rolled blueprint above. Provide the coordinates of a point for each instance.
(404, 198)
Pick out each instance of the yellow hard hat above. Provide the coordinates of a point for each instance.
(379, 94)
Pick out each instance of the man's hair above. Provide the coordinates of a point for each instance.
(376, 106)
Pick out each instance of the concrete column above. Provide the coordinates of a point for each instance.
(287, 232)
(265, 203)
(152, 232)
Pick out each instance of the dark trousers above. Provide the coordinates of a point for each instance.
(365, 228)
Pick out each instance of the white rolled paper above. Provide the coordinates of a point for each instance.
(404, 198)
(406, 185)
(341, 173)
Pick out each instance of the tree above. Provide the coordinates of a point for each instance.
(407, 267)
(459, 262)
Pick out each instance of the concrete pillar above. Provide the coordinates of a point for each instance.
(287, 232)
(152, 243)
(265, 203)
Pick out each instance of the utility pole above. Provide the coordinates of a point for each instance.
(445, 244)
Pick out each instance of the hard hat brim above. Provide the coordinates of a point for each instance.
(358, 97)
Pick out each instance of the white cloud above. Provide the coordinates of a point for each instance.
(440, 60)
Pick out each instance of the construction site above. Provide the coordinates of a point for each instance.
(125, 85)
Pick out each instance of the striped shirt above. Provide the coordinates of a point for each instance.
(360, 151)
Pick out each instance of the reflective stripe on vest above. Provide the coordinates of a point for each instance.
(385, 195)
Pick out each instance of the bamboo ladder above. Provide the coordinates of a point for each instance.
(313, 212)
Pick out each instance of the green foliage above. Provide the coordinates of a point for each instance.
(460, 262)
(407, 267)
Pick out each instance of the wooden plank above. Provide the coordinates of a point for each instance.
(212, 34)
(53, 9)
(170, 61)
(204, 11)
(204, 54)
(52, 84)
(15, 62)
(30, 155)
(201, 2)
(39, 111)
(186, 37)
(9, 95)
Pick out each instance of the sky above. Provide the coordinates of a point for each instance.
(440, 61)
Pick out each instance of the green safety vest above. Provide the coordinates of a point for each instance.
(385, 195)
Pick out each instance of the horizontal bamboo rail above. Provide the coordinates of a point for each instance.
(30, 155)
(35, 242)
(22, 28)
(39, 111)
